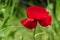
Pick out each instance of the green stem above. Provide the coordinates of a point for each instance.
(6, 2)
(12, 8)
(22, 37)
(48, 2)
(34, 34)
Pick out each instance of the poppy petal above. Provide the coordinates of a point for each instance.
(46, 21)
(29, 23)
(33, 11)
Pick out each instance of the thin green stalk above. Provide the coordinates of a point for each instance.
(34, 34)
(22, 37)
(12, 8)
(6, 2)
(48, 2)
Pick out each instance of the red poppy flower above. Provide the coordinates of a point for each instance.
(36, 13)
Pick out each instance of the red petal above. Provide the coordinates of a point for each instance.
(41, 16)
(33, 11)
(47, 21)
(29, 23)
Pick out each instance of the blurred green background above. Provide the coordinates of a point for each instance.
(13, 11)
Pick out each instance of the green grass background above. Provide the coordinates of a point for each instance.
(12, 29)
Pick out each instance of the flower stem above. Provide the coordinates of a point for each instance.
(22, 37)
(34, 34)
